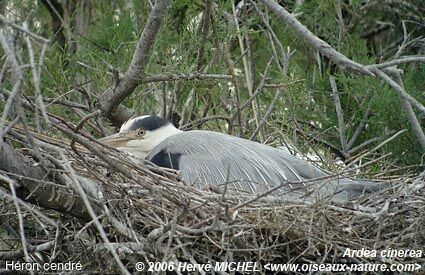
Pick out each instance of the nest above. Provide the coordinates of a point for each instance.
(146, 214)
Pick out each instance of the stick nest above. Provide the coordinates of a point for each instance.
(148, 214)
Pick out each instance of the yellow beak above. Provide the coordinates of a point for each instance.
(116, 140)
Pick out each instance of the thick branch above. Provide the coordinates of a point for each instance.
(320, 45)
(111, 98)
(36, 187)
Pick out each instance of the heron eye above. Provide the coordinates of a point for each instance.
(141, 132)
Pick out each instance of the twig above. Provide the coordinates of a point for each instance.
(267, 114)
(247, 68)
(360, 127)
(407, 59)
(376, 147)
(19, 216)
(93, 215)
(31, 249)
(339, 111)
(193, 76)
(41, 39)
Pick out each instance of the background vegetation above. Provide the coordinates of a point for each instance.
(240, 67)
(94, 40)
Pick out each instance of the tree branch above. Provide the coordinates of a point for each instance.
(39, 186)
(320, 45)
(340, 114)
(110, 100)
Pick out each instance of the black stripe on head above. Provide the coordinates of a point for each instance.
(149, 123)
(166, 160)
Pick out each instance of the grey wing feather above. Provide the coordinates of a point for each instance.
(213, 158)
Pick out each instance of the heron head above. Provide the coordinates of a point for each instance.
(138, 136)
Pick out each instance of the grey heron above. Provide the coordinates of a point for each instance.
(206, 157)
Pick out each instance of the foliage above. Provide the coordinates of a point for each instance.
(207, 66)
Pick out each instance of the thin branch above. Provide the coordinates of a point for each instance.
(19, 214)
(408, 59)
(3, 20)
(340, 113)
(204, 120)
(31, 249)
(360, 127)
(260, 86)
(374, 149)
(356, 149)
(247, 64)
(193, 76)
(267, 114)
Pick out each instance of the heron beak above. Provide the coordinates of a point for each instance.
(116, 140)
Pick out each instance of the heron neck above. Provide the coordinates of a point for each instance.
(167, 131)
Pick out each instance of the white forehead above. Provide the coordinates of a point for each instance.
(127, 125)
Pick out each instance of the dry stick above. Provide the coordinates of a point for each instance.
(206, 15)
(274, 40)
(29, 208)
(41, 39)
(408, 59)
(267, 114)
(360, 127)
(36, 80)
(167, 76)
(81, 124)
(340, 114)
(95, 126)
(320, 45)
(20, 218)
(238, 113)
(374, 149)
(31, 249)
(63, 102)
(92, 214)
(405, 40)
(247, 68)
(190, 257)
(171, 234)
(14, 96)
(17, 75)
(3, 132)
(260, 86)
(178, 76)
(187, 108)
(363, 145)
